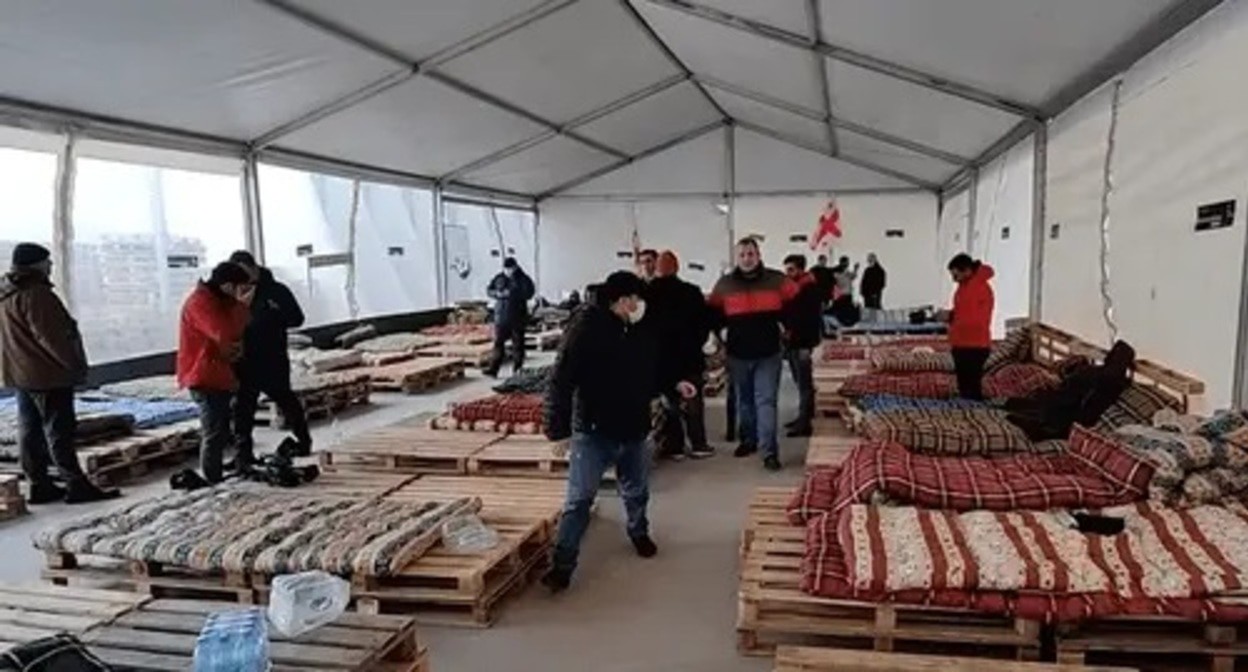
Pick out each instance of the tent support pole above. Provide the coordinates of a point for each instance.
(250, 184)
(1039, 198)
(439, 246)
(62, 217)
(972, 204)
(814, 19)
(730, 186)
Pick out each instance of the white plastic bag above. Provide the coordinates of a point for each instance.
(468, 534)
(303, 602)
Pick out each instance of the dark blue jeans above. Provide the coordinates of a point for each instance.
(590, 457)
(757, 383)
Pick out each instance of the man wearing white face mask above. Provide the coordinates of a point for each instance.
(598, 407)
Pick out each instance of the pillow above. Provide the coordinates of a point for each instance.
(1016, 347)
(1111, 460)
(1137, 405)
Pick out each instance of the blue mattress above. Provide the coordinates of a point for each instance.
(147, 414)
(882, 403)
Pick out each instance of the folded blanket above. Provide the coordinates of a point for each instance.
(975, 431)
(1196, 460)
(150, 388)
(1092, 473)
(519, 409)
(394, 343)
(322, 361)
(899, 361)
(526, 381)
(1137, 405)
(1007, 382)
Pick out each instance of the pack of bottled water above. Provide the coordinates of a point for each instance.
(302, 602)
(233, 641)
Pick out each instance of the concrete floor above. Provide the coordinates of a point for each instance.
(623, 613)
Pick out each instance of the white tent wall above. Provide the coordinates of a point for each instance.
(1003, 224)
(1175, 293)
(865, 222)
(951, 231)
(581, 241)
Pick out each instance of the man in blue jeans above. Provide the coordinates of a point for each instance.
(598, 407)
(751, 303)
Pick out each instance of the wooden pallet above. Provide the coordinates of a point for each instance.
(522, 498)
(12, 503)
(320, 402)
(356, 483)
(716, 383)
(463, 589)
(773, 610)
(809, 659)
(119, 460)
(409, 450)
(519, 455)
(475, 354)
(160, 636)
(417, 375)
(1159, 642)
(829, 451)
(30, 612)
(766, 516)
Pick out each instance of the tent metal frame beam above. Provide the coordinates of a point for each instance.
(662, 46)
(415, 68)
(815, 115)
(1039, 228)
(853, 57)
(587, 118)
(814, 18)
(713, 195)
(651, 151)
(861, 163)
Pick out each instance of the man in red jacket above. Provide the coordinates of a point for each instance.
(970, 323)
(210, 341)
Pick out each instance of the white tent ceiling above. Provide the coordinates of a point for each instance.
(535, 96)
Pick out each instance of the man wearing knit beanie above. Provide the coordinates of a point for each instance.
(42, 358)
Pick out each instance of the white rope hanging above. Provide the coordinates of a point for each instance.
(1107, 190)
(353, 302)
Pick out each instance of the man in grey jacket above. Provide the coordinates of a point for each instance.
(42, 358)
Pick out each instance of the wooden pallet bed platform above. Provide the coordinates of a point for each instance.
(408, 450)
(523, 498)
(773, 610)
(519, 455)
(30, 612)
(417, 375)
(810, 659)
(475, 354)
(323, 396)
(826, 450)
(160, 637)
(12, 503)
(1166, 643)
(118, 460)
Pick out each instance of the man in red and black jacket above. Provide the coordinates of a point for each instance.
(751, 302)
(803, 332)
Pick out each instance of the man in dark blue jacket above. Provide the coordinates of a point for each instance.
(265, 364)
(512, 289)
(598, 408)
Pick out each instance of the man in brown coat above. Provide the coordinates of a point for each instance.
(42, 359)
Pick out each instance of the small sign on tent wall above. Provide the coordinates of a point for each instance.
(1215, 216)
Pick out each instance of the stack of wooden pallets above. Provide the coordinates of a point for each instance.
(417, 375)
(322, 395)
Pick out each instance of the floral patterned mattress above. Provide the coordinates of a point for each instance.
(254, 528)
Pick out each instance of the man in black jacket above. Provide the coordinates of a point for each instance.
(598, 407)
(265, 364)
(511, 290)
(680, 318)
(873, 281)
(802, 334)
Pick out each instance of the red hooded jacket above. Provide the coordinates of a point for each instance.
(211, 325)
(973, 303)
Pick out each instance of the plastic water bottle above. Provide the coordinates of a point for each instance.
(468, 534)
(233, 641)
(303, 602)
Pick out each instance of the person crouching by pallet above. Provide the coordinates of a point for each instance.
(598, 408)
(42, 358)
(210, 342)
